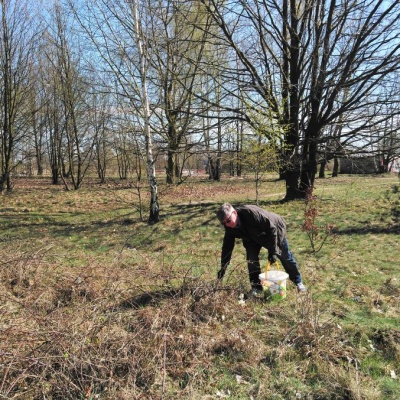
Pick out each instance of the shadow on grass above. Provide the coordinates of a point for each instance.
(149, 298)
(394, 229)
(197, 290)
(56, 224)
(193, 208)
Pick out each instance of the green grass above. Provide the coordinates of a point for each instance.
(137, 311)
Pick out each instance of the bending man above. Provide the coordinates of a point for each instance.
(257, 228)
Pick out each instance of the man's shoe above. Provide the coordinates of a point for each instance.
(301, 288)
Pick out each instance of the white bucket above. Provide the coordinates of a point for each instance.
(274, 284)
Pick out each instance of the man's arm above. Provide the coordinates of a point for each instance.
(228, 245)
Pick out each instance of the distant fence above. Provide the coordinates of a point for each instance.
(394, 166)
(359, 165)
(366, 165)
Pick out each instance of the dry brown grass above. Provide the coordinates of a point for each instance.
(74, 335)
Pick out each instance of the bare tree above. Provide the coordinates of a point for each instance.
(298, 58)
(100, 116)
(143, 71)
(38, 122)
(117, 30)
(73, 89)
(17, 40)
(54, 126)
(177, 47)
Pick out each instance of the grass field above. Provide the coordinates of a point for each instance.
(96, 304)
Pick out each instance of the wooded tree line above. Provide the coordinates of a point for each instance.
(123, 86)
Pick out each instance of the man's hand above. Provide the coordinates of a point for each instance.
(221, 273)
(272, 258)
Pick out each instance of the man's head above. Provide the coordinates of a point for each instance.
(227, 215)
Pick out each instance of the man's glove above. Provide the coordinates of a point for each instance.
(221, 273)
(272, 258)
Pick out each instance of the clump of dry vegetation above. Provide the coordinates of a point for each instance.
(85, 333)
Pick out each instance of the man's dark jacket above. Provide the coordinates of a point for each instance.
(257, 225)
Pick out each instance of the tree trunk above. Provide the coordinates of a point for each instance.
(173, 169)
(7, 137)
(150, 163)
(309, 165)
(335, 170)
(292, 183)
(322, 169)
